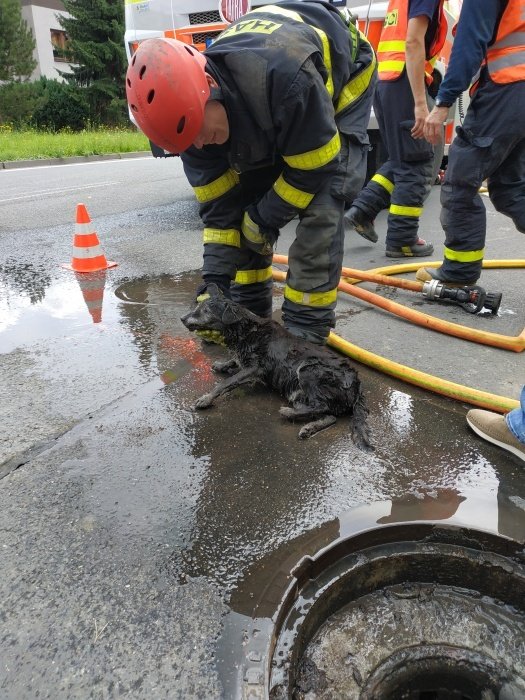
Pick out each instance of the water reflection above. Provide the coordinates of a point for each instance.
(25, 278)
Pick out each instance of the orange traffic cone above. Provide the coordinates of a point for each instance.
(92, 288)
(87, 253)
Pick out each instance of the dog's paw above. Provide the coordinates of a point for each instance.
(205, 401)
(287, 412)
(229, 367)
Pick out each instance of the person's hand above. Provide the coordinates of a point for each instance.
(258, 237)
(420, 114)
(434, 123)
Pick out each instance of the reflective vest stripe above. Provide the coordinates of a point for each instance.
(384, 182)
(228, 236)
(316, 158)
(253, 276)
(398, 210)
(392, 46)
(354, 88)
(218, 187)
(311, 298)
(506, 56)
(391, 51)
(291, 195)
(464, 255)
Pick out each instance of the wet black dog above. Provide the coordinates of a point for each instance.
(319, 384)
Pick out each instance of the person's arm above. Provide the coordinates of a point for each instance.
(475, 29)
(307, 139)
(415, 67)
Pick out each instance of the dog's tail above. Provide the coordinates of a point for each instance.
(359, 424)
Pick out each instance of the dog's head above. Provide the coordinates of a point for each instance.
(214, 313)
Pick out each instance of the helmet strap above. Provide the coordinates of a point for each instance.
(215, 94)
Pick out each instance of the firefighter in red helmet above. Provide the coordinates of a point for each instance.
(271, 123)
(411, 39)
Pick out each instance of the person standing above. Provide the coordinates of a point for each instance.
(411, 40)
(270, 123)
(490, 145)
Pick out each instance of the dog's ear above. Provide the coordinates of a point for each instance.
(231, 314)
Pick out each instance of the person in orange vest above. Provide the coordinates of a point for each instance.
(412, 37)
(491, 142)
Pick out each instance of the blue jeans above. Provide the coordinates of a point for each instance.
(516, 419)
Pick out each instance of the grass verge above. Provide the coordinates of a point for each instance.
(32, 145)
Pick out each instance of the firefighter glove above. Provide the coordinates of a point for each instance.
(258, 237)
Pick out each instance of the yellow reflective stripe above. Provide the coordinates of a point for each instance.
(391, 46)
(291, 195)
(387, 184)
(398, 210)
(253, 276)
(355, 87)
(316, 158)
(250, 230)
(311, 298)
(222, 236)
(464, 255)
(218, 187)
(327, 60)
(387, 66)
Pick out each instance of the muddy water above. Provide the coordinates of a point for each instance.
(357, 639)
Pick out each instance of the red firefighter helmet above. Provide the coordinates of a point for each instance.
(167, 89)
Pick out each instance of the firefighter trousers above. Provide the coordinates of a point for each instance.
(315, 261)
(403, 182)
(490, 145)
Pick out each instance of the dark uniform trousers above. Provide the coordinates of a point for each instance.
(403, 183)
(490, 145)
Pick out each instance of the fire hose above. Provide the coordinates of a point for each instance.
(493, 402)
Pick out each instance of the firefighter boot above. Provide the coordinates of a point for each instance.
(419, 249)
(356, 218)
(426, 274)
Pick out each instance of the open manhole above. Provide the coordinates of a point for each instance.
(417, 611)
(422, 613)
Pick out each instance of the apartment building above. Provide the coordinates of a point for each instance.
(42, 18)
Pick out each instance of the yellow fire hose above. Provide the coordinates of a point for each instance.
(492, 402)
(351, 276)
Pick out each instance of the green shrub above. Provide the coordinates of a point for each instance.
(19, 101)
(64, 106)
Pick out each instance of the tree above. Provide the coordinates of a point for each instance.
(16, 43)
(95, 33)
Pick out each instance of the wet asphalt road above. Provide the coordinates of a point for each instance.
(130, 524)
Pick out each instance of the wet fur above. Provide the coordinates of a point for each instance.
(318, 384)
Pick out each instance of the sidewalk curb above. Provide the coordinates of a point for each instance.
(13, 164)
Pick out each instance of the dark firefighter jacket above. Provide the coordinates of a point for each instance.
(290, 76)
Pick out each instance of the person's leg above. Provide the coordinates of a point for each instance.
(314, 268)
(507, 186)
(411, 188)
(488, 146)
(516, 419)
(375, 196)
(253, 283)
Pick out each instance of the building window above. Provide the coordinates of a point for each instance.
(59, 41)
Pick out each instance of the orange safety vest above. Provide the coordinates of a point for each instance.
(391, 51)
(506, 56)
